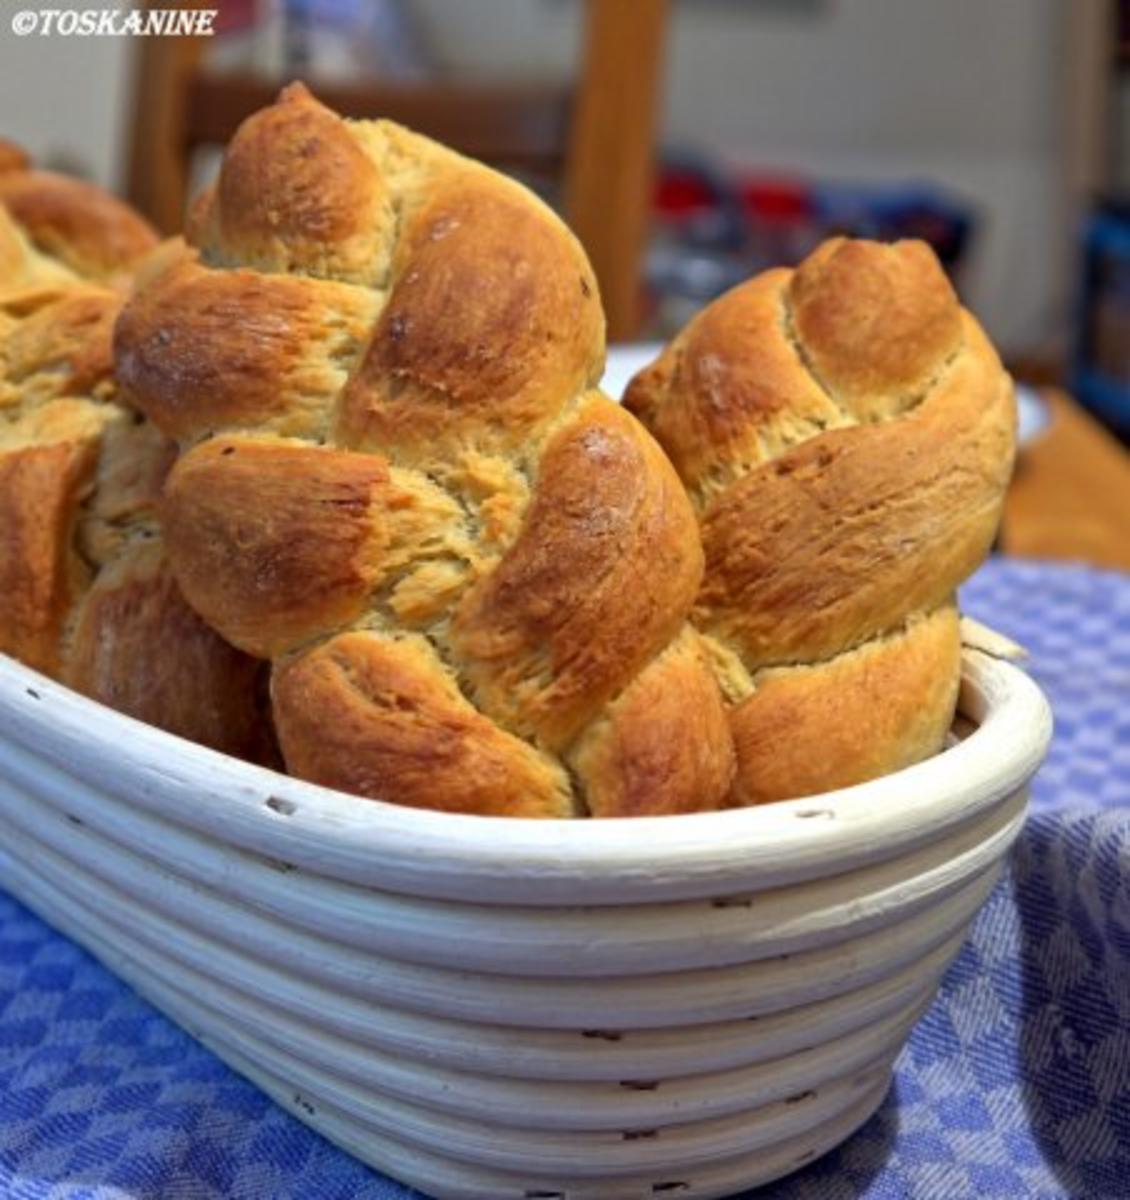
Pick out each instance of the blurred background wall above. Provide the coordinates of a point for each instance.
(963, 93)
(67, 101)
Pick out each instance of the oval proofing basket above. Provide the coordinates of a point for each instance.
(520, 1010)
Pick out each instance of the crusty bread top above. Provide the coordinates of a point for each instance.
(86, 229)
(846, 432)
(471, 570)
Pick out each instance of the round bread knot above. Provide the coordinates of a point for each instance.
(471, 571)
(846, 433)
(83, 230)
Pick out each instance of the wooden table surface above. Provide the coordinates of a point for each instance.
(1070, 495)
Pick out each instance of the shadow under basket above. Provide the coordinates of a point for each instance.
(503, 1009)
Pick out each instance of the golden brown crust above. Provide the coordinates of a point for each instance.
(84, 227)
(297, 193)
(728, 395)
(66, 343)
(86, 596)
(140, 649)
(837, 540)
(380, 718)
(860, 715)
(661, 745)
(275, 542)
(877, 323)
(54, 351)
(526, 552)
(236, 349)
(494, 318)
(599, 579)
(846, 431)
(41, 488)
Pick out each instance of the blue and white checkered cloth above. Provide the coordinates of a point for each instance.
(1015, 1086)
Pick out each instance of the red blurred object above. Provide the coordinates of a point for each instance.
(775, 201)
(682, 193)
(234, 15)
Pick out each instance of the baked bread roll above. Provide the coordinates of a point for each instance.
(85, 594)
(86, 231)
(470, 569)
(846, 433)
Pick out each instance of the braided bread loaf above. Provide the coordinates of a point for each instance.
(471, 570)
(86, 595)
(845, 432)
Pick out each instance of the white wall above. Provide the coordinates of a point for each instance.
(961, 92)
(64, 98)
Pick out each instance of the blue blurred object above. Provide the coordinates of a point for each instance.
(1100, 376)
(894, 211)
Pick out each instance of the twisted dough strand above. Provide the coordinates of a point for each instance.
(471, 571)
(86, 231)
(846, 433)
